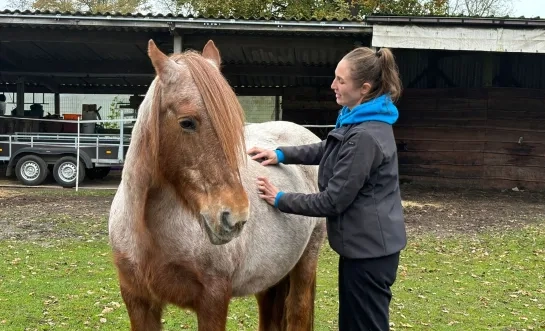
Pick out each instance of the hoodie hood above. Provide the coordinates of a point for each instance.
(380, 109)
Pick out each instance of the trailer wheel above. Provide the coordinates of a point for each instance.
(64, 171)
(31, 170)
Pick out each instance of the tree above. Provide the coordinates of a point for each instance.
(481, 7)
(95, 6)
(328, 9)
(259, 8)
(402, 7)
(20, 4)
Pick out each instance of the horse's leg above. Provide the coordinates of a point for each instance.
(300, 300)
(143, 313)
(272, 304)
(212, 306)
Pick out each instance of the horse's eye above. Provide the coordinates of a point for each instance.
(188, 124)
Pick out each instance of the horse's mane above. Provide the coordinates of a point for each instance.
(221, 103)
(222, 106)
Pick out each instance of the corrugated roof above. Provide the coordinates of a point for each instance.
(456, 20)
(373, 18)
(161, 15)
(96, 53)
(169, 22)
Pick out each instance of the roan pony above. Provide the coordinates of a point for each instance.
(187, 226)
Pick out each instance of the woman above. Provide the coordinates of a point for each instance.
(359, 186)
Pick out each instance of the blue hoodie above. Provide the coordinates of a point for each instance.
(380, 109)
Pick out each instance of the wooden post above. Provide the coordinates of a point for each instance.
(178, 44)
(488, 69)
(57, 103)
(277, 109)
(20, 97)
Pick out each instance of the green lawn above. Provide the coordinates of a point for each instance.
(490, 281)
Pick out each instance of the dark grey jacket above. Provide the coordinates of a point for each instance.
(359, 189)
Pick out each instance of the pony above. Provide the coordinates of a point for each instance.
(186, 225)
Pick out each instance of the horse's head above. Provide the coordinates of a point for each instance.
(196, 125)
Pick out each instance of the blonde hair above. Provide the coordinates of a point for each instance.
(377, 68)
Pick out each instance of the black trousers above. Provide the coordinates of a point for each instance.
(364, 292)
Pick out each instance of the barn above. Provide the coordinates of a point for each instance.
(471, 110)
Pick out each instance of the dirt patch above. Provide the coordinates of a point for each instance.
(49, 214)
(40, 214)
(4, 194)
(449, 211)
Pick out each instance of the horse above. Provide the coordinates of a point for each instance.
(186, 225)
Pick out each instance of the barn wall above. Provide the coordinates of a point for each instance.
(488, 137)
(491, 137)
(310, 106)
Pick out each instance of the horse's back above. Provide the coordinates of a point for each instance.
(270, 135)
(274, 241)
(274, 133)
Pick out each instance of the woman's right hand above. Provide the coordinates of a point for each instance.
(265, 156)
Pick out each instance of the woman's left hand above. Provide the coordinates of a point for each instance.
(267, 191)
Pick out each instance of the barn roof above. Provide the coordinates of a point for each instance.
(106, 53)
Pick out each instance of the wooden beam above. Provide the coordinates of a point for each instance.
(8, 56)
(20, 96)
(488, 68)
(279, 70)
(197, 41)
(57, 103)
(144, 69)
(50, 83)
(142, 89)
(258, 91)
(178, 44)
(77, 36)
(432, 70)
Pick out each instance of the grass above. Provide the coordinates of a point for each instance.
(491, 281)
(494, 281)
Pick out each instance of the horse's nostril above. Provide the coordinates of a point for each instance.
(225, 215)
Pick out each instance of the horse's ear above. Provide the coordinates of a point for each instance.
(210, 52)
(160, 61)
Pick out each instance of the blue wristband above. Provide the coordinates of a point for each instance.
(279, 155)
(277, 199)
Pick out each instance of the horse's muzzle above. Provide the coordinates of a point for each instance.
(223, 228)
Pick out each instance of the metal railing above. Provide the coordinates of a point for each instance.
(79, 140)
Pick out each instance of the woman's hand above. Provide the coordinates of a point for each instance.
(265, 156)
(267, 191)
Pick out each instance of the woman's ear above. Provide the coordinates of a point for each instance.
(365, 88)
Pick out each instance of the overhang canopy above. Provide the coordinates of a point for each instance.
(94, 53)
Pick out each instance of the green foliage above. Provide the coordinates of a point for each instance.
(115, 114)
(95, 6)
(306, 9)
(402, 7)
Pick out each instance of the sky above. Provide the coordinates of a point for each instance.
(527, 8)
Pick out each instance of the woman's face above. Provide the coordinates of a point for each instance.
(347, 93)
